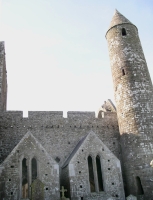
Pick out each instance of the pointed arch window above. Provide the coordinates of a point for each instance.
(24, 179)
(99, 173)
(123, 31)
(139, 186)
(34, 169)
(91, 174)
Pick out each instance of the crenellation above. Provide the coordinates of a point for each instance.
(45, 114)
(74, 114)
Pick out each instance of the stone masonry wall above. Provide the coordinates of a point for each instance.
(57, 135)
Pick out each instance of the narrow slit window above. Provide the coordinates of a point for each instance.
(24, 179)
(91, 174)
(139, 186)
(123, 72)
(34, 169)
(99, 174)
(123, 32)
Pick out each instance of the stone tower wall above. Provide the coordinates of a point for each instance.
(133, 91)
(134, 102)
(3, 78)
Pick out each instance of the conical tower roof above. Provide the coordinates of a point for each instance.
(118, 18)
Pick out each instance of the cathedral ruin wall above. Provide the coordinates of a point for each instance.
(57, 134)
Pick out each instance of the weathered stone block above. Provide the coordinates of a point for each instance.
(131, 197)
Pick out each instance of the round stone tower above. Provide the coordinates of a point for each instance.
(134, 103)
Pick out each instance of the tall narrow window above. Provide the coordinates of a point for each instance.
(123, 72)
(34, 169)
(91, 174)
(123, 32)
(99, 174)
(24, 179)
(139, 186)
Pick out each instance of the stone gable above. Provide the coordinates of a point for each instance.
(76, 166)
(47, 169)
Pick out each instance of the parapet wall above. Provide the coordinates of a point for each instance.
(73, 114)
(45, 114)
(56, 115)
(12, 114)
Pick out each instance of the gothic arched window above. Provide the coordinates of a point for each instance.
(123, 32)
(34, 169)
(24, 179)
(91, 174)
(99, 174)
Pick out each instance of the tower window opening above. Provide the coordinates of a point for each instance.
(139, 186)
(123, 72)
(123, 32)
(91, 174)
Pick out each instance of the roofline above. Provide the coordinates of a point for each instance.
(75, 149)
(117, 25)
(112, 103)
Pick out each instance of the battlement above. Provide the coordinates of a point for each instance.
(46, 114)
(12, 114)
(76, 114)
(56, 115)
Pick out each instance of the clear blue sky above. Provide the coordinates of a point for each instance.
(56, 51)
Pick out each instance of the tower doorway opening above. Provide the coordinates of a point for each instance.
(139, 186)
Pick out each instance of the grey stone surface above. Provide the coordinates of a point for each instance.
(37, 192)
(131, 197)
(61, 146)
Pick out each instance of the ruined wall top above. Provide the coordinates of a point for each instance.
(2, 48)
(3, 78)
